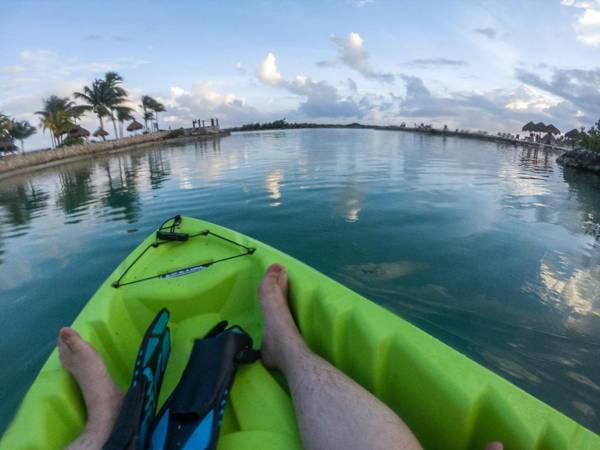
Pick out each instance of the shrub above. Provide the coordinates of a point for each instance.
(591, 139)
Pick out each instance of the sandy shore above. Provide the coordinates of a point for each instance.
(31, 161)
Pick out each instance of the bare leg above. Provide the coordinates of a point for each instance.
(333, 411)
(102, 398)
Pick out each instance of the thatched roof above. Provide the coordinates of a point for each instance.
(552, 129)
(7, 146)
(574, 133)
(548, 139)
(134, 126)
(529, 126)
(78, 131)
(100, 132)
(540, 126)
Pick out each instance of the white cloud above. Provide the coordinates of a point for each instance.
(579, 87)
(580, 4)
(11, 70)
(589, 39)
(527, 98)
(587, 27)
(352, 53)
(319, 98)
(170, 119)
(203, 101)
(506, 109)
(361, 3)
(178, 92)
(322, 99)
(36, 56)
(43, 67)
(590, 18)
(240, 67)
(268, 72)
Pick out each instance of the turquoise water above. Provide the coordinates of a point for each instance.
(495, 250)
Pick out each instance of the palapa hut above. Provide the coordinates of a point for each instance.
(101, 133)
(79, 132)
(540, 127)
(529, 126)
(552, 129)
(548, 139)
(134, 126)
(7, 147)
(573, 134)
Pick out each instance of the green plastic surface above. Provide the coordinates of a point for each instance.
(448, 400)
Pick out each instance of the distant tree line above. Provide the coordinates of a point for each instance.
(283, 124)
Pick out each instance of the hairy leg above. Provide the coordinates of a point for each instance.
(333, 411)
(102, 397)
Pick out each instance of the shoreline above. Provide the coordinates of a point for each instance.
(430, 131)
(41, 159)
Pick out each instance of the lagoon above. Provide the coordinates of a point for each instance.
(493, 249)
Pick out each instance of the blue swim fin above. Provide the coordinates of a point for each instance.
(131, 430)
(191, 417)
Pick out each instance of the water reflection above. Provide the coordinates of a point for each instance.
(273, 185)
(203, 146)
(2, 251)
(76, 190)
(21, 202)
(577, 294)
(351, 202)
(539, 159)
(121, 194)
(159, 167)
(585, 186)
(499, 247)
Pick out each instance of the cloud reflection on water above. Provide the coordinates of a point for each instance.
(273, 186)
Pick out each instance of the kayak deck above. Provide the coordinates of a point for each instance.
(448, 400)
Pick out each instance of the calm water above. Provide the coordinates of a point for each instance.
(493, 249)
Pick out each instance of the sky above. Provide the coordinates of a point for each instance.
(468, 64)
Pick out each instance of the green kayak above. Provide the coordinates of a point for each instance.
(448, 400)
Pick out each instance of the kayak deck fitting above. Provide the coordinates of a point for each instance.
(448, 400)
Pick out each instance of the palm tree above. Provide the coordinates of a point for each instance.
(157, 107)
(105, 97)
(5, 125)
(151, 108)
(116, 96)
(146, 106)
(123, 113)
(59, 116)
(94, 97)
(21, 131)
(148, 117)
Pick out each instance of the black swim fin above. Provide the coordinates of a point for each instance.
(191, 417)
(132, 428)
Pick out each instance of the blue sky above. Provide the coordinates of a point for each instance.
(489, 65)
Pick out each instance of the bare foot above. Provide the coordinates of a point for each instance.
(102, 397)
(494, 446)
(280, 336)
